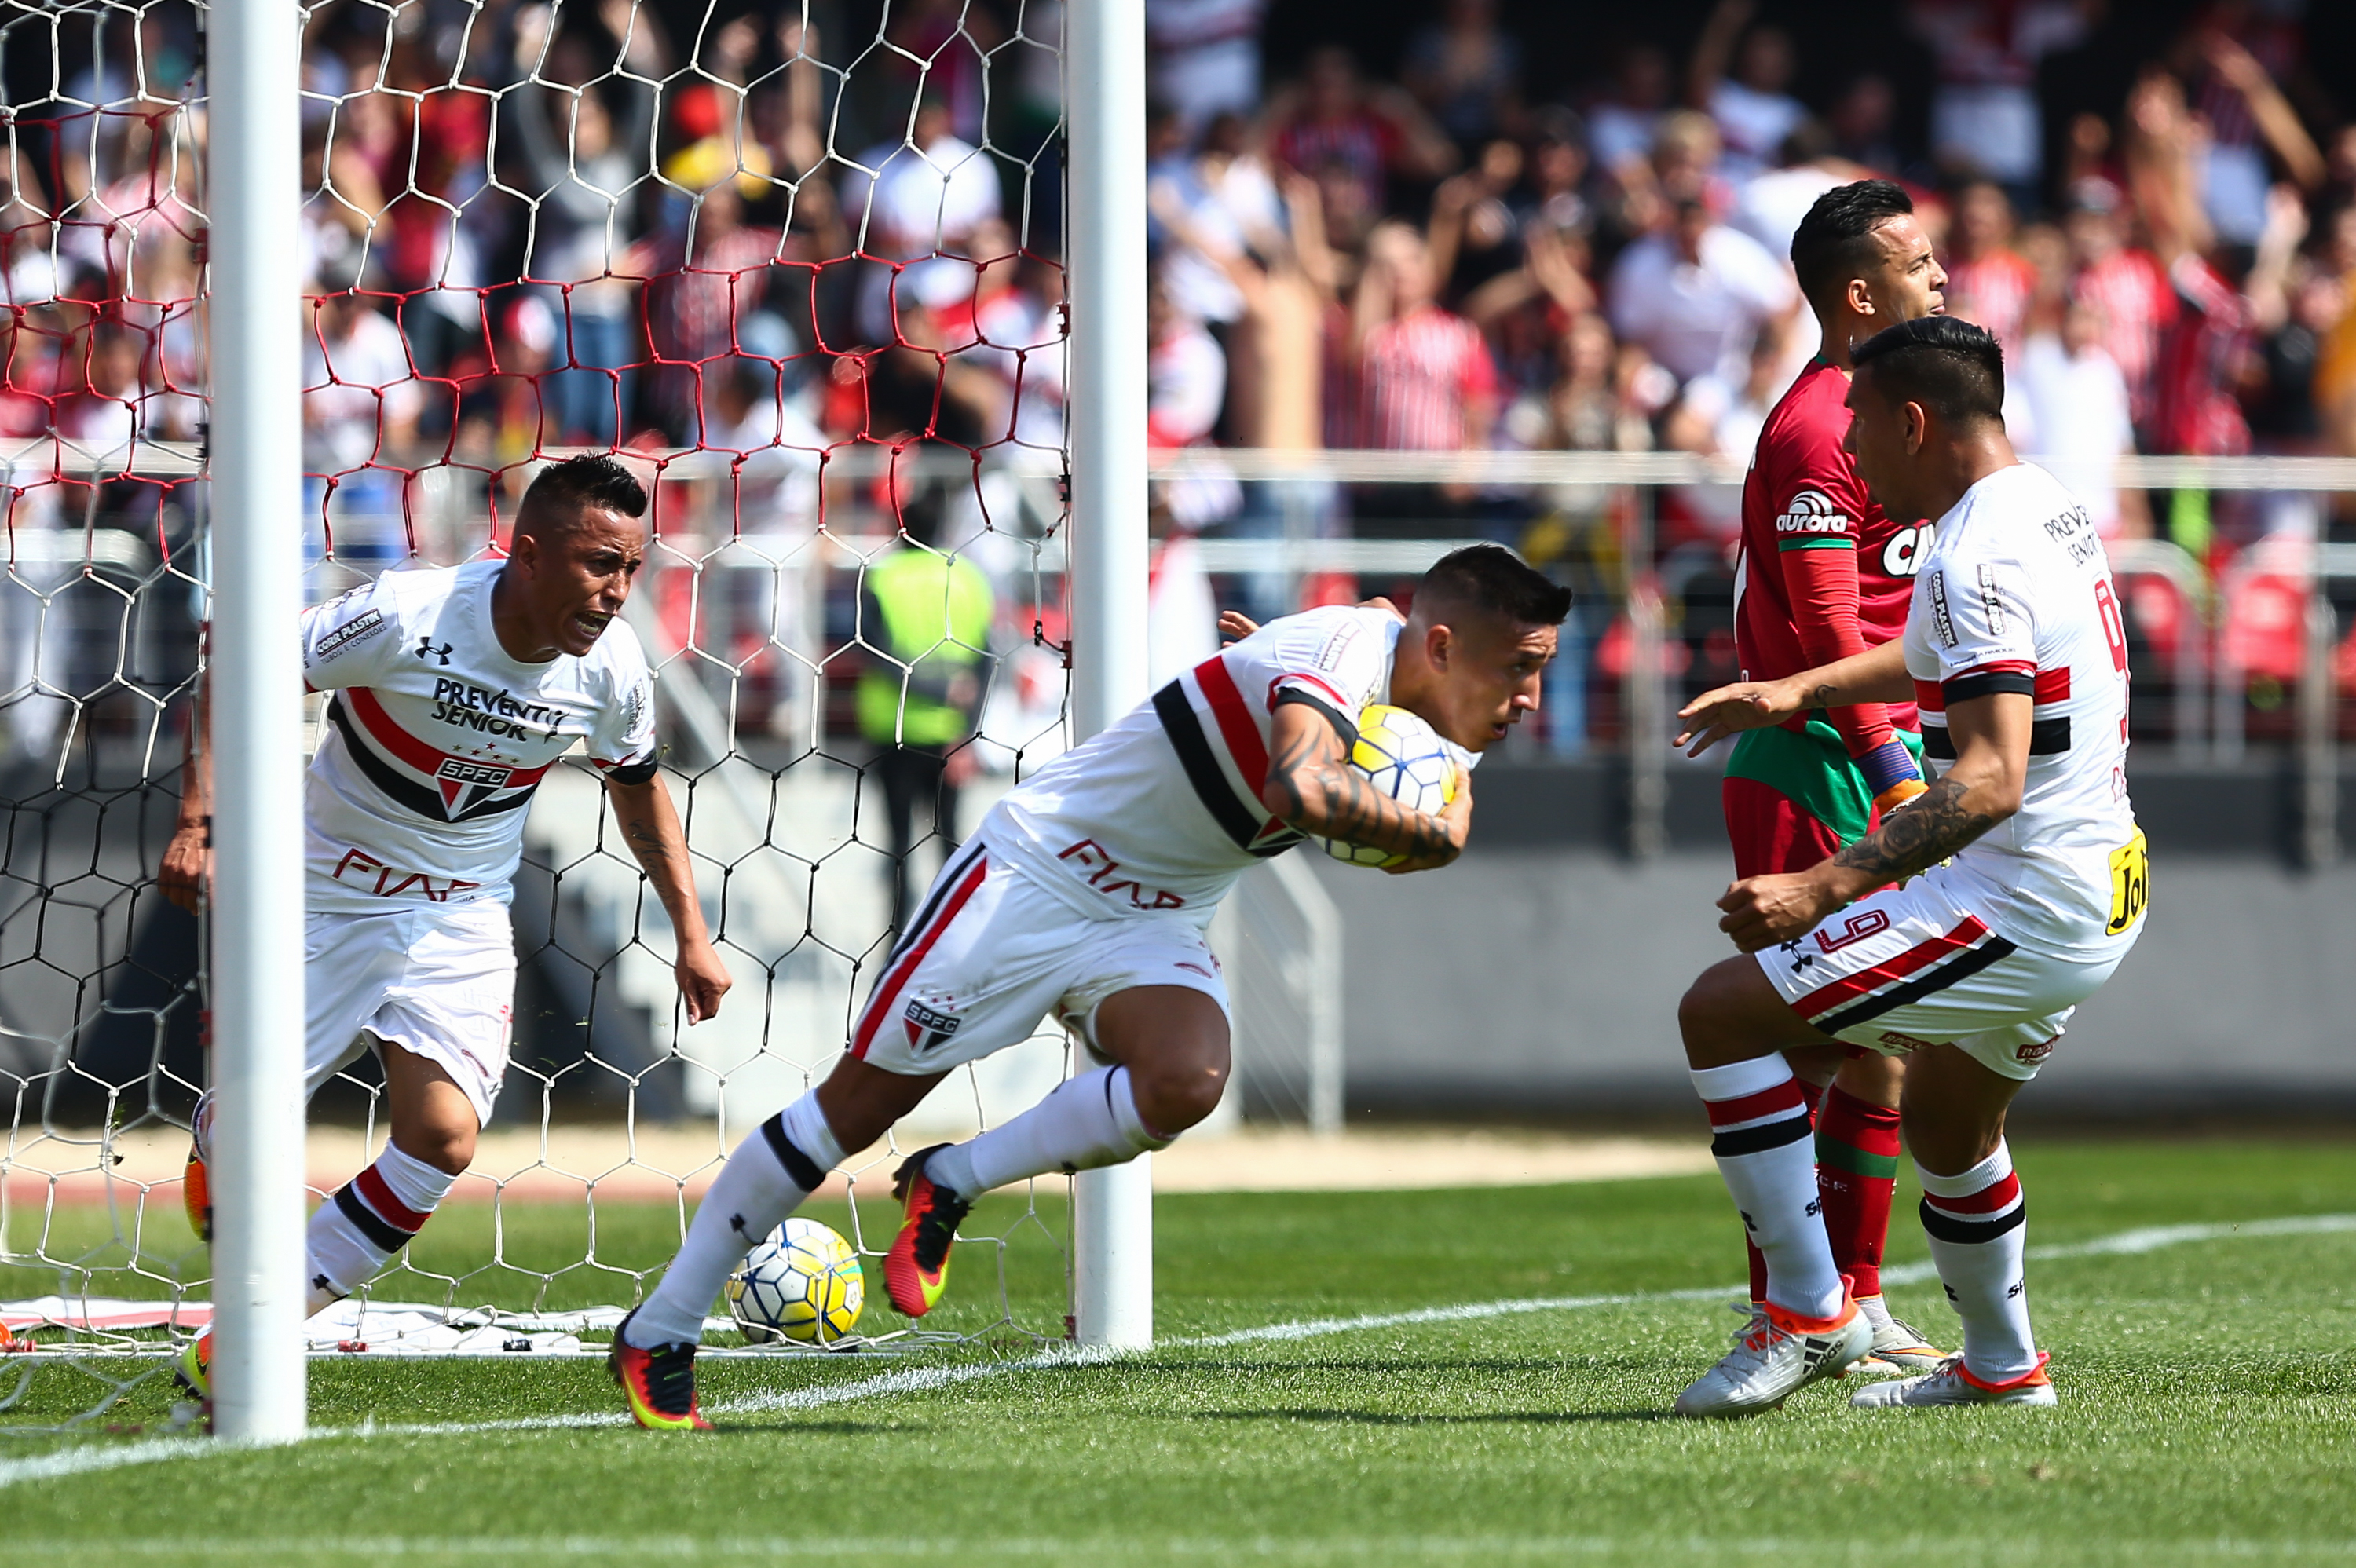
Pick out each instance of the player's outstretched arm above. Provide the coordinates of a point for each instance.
(1312, 787)
(1982, 789)
(1877, 675)
(650, 828)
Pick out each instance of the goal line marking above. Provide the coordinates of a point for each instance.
(921, 1380)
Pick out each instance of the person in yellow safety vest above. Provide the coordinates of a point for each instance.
(926, 616)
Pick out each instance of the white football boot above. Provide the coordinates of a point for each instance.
(1775, 1355)
(1953, 1383)
(1898, 1349)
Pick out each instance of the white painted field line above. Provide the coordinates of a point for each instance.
(921, 1380)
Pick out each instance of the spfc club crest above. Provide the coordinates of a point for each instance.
(465, 784)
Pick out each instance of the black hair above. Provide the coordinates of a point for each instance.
(1953, 368)
(1834, 241)
(1493, 580)
(564, 490)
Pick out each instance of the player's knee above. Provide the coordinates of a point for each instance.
(448, 1148)
(1172, 1100)
(1703, 1014)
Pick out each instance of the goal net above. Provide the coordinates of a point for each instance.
(801, 267)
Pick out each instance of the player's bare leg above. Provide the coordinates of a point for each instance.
(1736, 1027)
(1972, 1211)
(1169, 1051)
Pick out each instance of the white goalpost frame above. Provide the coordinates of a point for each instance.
(259, 1368)
(1104, 97)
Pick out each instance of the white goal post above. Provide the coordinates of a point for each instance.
(259, 1365)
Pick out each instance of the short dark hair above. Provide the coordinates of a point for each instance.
(1952, 368)
(562, 490)
(1834, 241)
(1490, 579)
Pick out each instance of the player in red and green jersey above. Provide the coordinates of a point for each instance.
(1824, 574)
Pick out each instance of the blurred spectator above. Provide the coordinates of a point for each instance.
(1985, 118)
(1622, 121)
(1752, 104)
(1426, 376)
(1204, 57)
(1771, 205)
(1466, 72)
(1558, 171)
(1698, 296)
(2077, 413)
(1864, 122)
(2125, 285)
(1207, 213)
(925, 617)
(1987, 280)
(1332, 121)
(917, 201)
(1185, 374)
(2247, 117)
(1475, 231)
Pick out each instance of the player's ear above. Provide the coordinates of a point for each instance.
(1438, 642)
(1918, 427)
(1860, 296)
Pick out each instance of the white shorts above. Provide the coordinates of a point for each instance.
(1911, 966)
(991, 954)
(437, 981)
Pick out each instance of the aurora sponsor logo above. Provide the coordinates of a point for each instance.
(358, 629)
(1813, 512)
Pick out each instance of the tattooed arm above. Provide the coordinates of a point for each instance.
(650, 828)
(1877, 675)
(1311, 786)
(1979, 790)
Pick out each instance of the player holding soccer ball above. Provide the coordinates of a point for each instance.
(1825, 573)
(455, 689)
(1086, 894)
(2021, 879)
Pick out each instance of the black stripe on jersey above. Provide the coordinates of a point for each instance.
(632, 773)
(1218, 797)
(388, 1238)
(1989, 683)
(2047, 738)
(951, 870)
(1343, 725)
(405, 791)
(1962, 965)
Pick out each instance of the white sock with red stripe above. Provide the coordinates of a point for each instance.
(1763, 1138)
(1088, 1122)
(371, 1217)
(780, 1163)
(1979, 1229)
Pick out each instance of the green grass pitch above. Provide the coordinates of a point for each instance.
(2209, 1409)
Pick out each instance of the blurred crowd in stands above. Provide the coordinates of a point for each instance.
(790, 231)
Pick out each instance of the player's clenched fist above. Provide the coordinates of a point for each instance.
(702, 978)
(1763, 911)
(187, 862)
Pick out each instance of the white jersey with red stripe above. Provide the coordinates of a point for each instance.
(436, 738)
(1161, 811)
(2015, 595)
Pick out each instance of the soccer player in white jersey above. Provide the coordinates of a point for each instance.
(1963, 932)
(451, 691)
(1086, 894)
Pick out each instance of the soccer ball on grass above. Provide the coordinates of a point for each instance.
(803, 1283)
(1403, 756)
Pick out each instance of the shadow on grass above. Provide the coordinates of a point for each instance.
(1391, 1418)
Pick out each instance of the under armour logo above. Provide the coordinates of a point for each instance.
(1746, 1221)
(426, 650)
(1951, 1295)
(736, 1223)
(319, 1283)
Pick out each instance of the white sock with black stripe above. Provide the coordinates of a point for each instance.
(1088, 1122)
(370, 1217)
(779, 1164)
(1763, 1138)
(1978, 1229)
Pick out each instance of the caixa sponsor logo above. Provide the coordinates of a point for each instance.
(1812, 512)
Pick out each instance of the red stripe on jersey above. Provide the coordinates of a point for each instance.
(1341, 703)
(1990, 1200)
(1930, 696)
(407, 749)
(879, 1006)
(2053, 685)
(1784, 1096)
(1998, 667)
(1236, 726)
(389, 1209)
(1825, 998)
